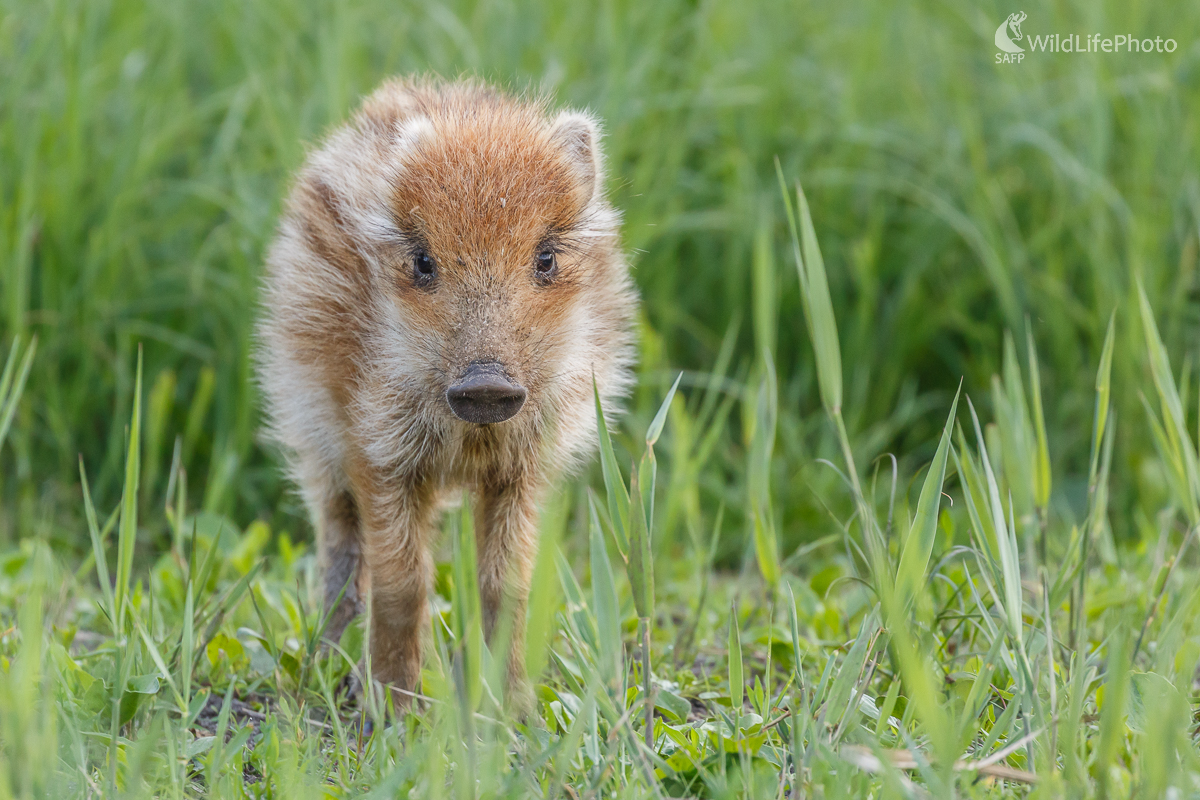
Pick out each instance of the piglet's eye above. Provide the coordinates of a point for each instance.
(545, 266)
(424, 268)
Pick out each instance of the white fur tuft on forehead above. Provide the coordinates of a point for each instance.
(410, 132)
(578, 134)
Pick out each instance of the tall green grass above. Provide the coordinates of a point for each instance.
(144, 148)
(978, 673)
(975, 673)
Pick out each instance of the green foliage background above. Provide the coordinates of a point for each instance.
(144, 149)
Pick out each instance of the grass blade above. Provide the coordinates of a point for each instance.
(604, 602)
(814, 294)
(614, 484)
(1103, 396)
(737, 686)
(98, 549)
(127, 527)
(918, 546)
(11, 388)
(467, 614)
(1006, 538)
(1041, 472)
(1182, 454)
(641, 561)
(660, 418)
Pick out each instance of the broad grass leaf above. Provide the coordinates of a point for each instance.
(138, 689)
(673, 705)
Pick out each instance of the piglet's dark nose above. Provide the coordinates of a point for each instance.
(485, 394)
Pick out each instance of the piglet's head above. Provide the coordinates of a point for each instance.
(500, 230)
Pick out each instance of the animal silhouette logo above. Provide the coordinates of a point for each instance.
(1003, 40)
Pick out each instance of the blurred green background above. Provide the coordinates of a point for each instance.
(145, 147)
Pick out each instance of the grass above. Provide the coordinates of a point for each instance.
(1003, 296)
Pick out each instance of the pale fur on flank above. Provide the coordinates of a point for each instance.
(358, 347)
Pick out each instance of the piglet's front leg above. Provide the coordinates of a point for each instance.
(398, 522)
(506, 541)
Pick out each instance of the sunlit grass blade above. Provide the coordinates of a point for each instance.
(924, 697)
(647, 481)
(814, 293)
(188, 641)
(763, 283)
(850, 672)
(660, 417)
(641, 561)
(1013, 441)
(737, 686)
(794, 629)
(545, 593)
(159, 405)
(1103, 396)
(886, 722)
(98, 550)
(604, 603)
(614, 483)
(758, 474)
(1094, 524)
(1006, 540)
(918, 546)
(766, 547)
(975, 497)
(467, 614)
(1042, 478)
(128, 525)
(1182, 453)
(1112, 714)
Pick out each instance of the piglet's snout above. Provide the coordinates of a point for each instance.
(485, 394)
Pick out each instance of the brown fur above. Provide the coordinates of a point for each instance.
(357, 354)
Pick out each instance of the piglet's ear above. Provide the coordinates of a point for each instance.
(579, 137)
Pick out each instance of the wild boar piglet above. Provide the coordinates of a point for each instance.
(445, 283)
